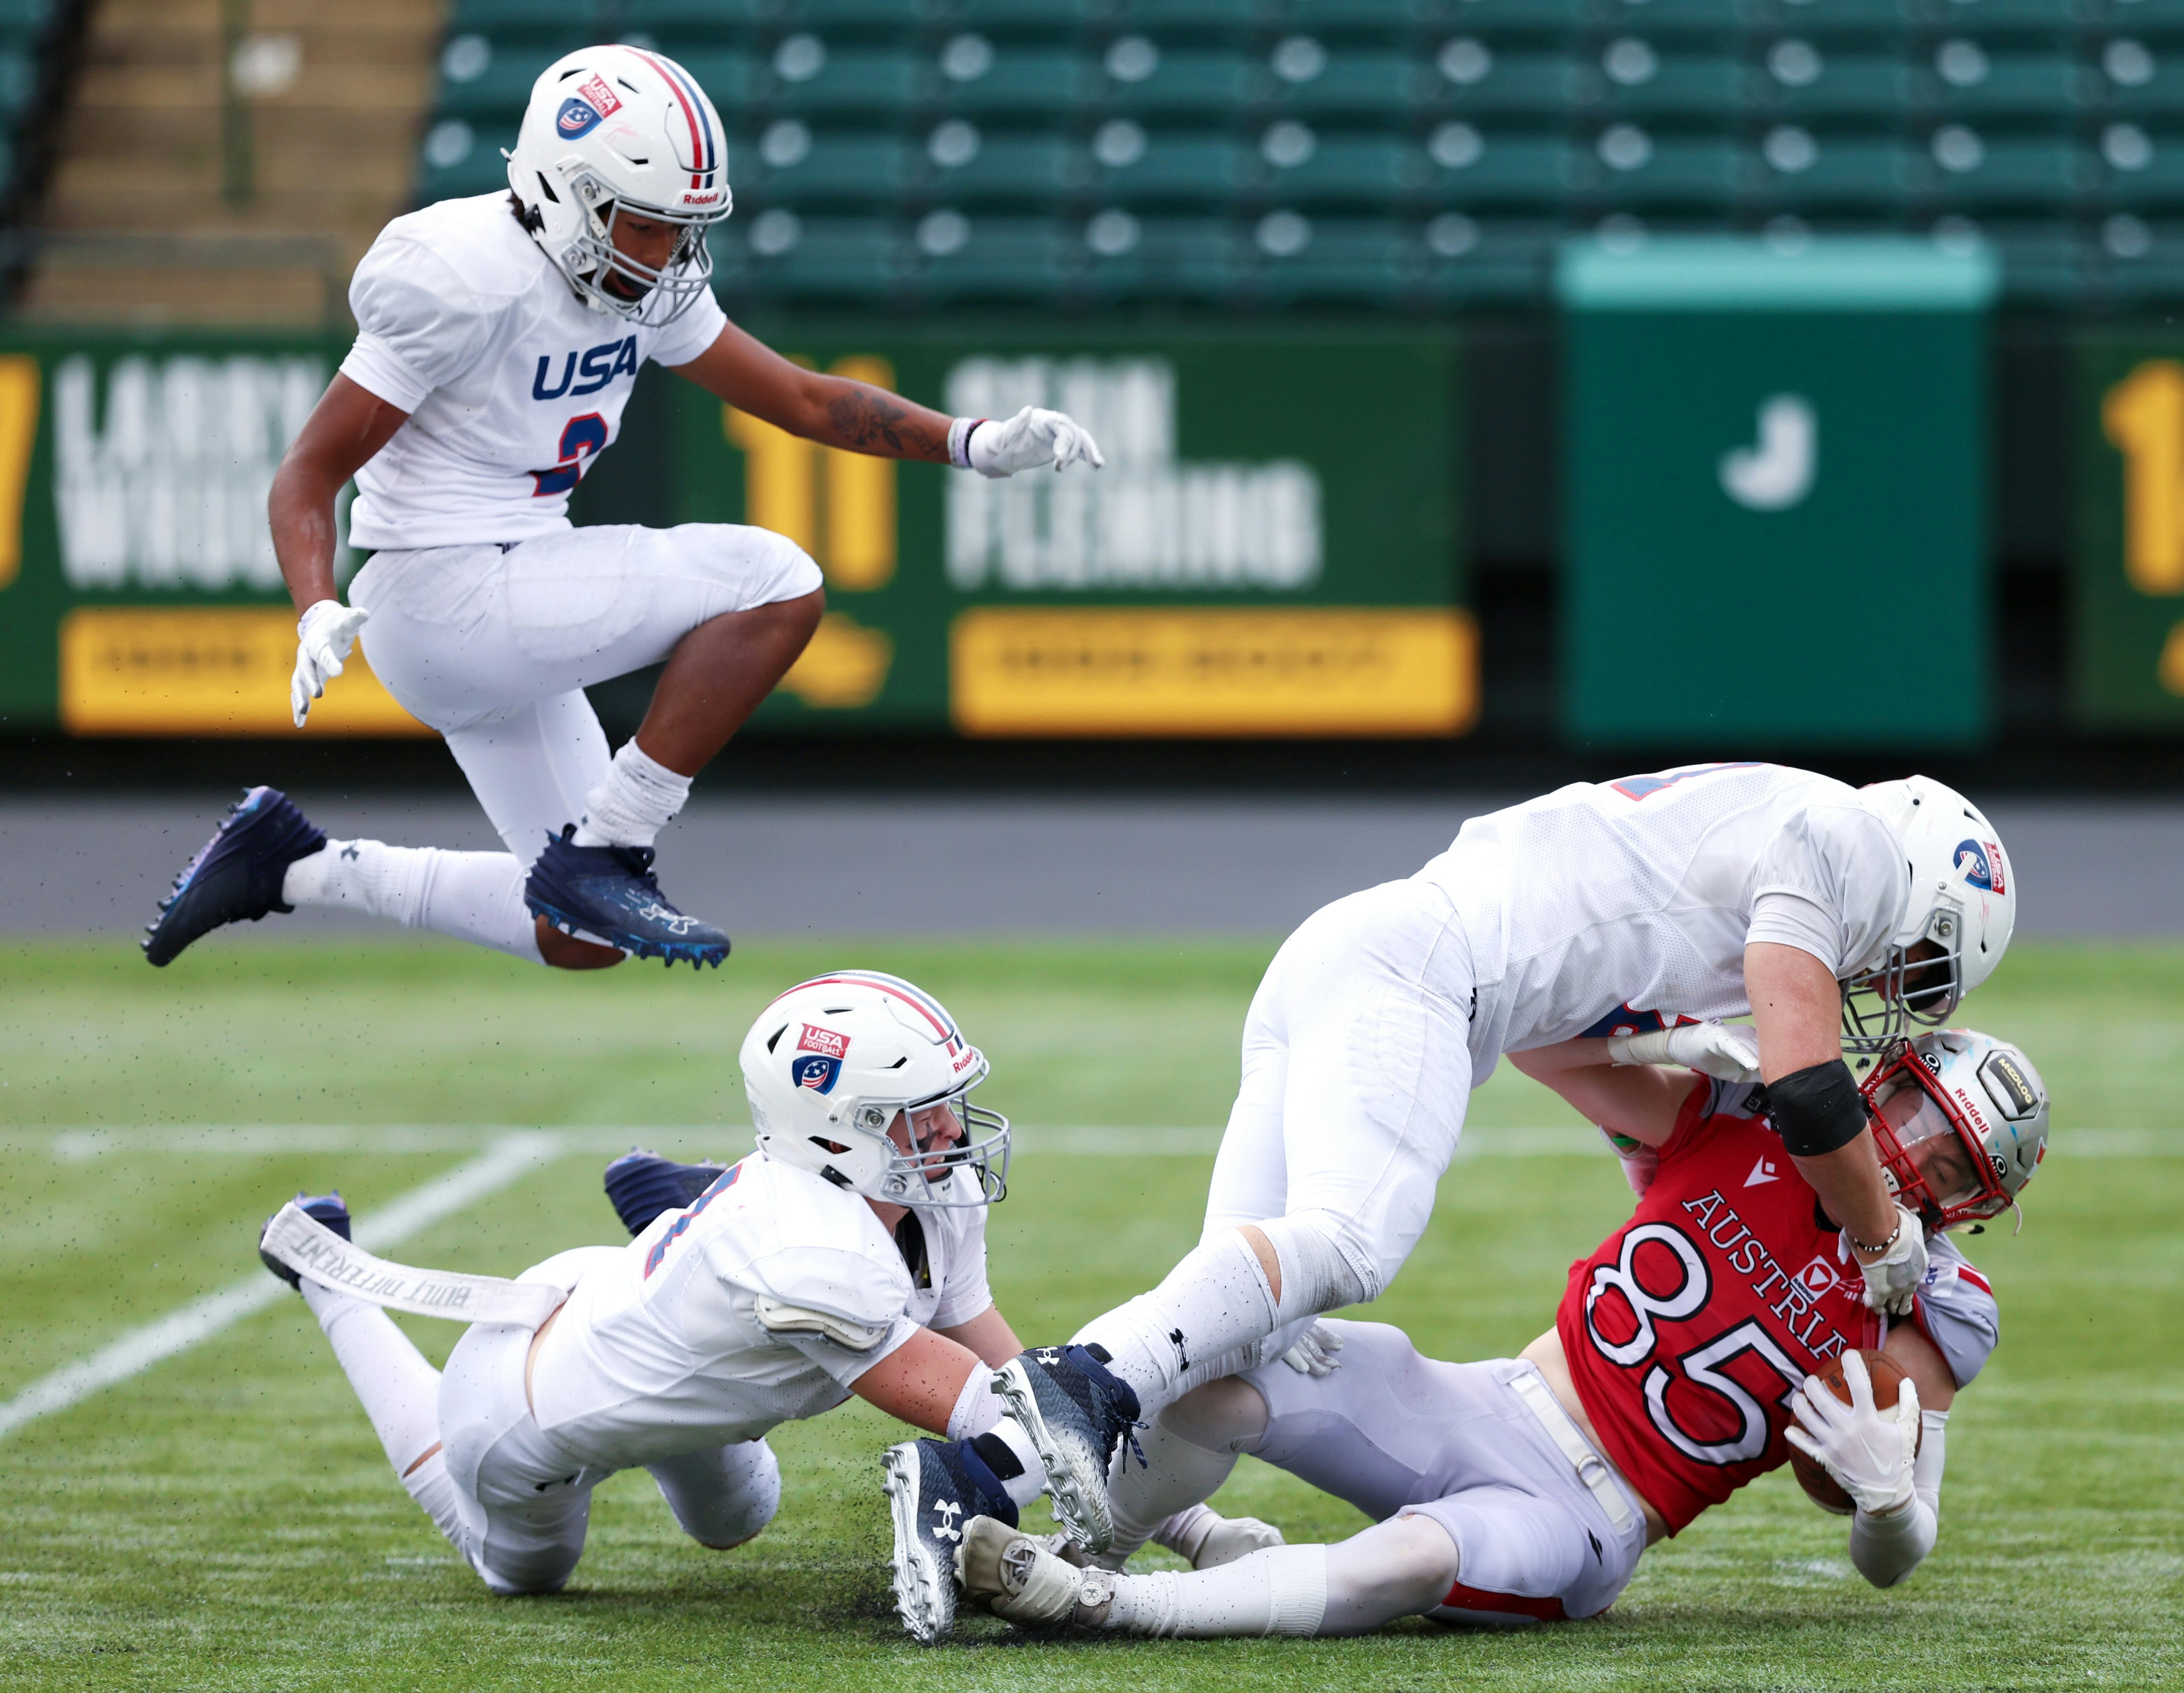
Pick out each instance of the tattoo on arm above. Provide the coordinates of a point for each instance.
(869, 419)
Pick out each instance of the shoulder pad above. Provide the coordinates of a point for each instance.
(777, 1317)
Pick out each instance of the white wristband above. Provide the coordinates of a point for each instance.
(978, 1407)
(958, 441)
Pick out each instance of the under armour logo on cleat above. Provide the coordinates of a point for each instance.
(1050, 1355)
(667, 917)
(947, 1511)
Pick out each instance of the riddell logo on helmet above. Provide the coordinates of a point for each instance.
(816, 1040)
(1982, 863)
(595, 88)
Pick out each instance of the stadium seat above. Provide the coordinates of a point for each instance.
(1387, 17)
(452, 171)
(1974, 83)
(978, 258)
(1165, 259)
(1375, 170)
(2137, 16)
(2139, 261)
(1638, 82)
(2000, 170)
(512, 19)
(1809, 81)
(1337, 261)
(866, 17)
(683, 25)
(1799, 171)
(2141, 78)
(2057, 18)
(487, 82)
(793, 166)
(964, 165)
(1314, 80)
(1487, 262)
(733, 79)
(1720, 19)
(980, 78)
(1870, 19)
(1526, 20)
(1146, 78)
(2142, 169)
(1634, 168)
(1494, 81)
(1132, 170)
(1469, 169)
(2046, 262)
(864, 260)
(810, 77)
(1192, 14)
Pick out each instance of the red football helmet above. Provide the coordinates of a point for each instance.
(1960, 1121)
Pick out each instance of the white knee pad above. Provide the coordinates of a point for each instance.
(1316, 1275)
(720, 1499)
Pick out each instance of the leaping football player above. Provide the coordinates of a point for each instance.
(846, 1255)
(1595, 925)
(1681, 1366)
(498, 337)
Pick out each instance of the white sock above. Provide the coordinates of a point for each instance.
(399, 1391)
(1282, 1590)
(637, 800)
(1215, 1301)
(474, 896)
(1176, 1476)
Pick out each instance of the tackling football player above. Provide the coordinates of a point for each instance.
(499, 339)
(1679, 1366)
(1590, 926)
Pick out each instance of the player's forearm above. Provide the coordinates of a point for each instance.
(1640, 1100)
(1848, 1183)
(920, 1381)
(863, 419)
(301, 511)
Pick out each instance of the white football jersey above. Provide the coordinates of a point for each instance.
(1613, 906)
(513, 385)
(757, 1304)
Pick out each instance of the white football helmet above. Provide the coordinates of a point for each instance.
(615, 128)
(1960, 1122)
(829, 1066)
(1963, 899)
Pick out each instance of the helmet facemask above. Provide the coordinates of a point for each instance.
(924, 1174)
(1935, 1162)
(1913, 987)
(658, 297)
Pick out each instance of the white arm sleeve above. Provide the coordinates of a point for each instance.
(1832, 882)
(419, 323)
(1886, 1549)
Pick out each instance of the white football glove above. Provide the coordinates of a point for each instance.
(1868, 1450)
(1313, 1355)
(1001, 447)
(1894, 1278)
(1729, 1051)
(324, 635)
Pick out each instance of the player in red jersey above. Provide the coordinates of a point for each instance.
(1679, 1367)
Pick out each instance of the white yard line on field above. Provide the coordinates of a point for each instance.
(508, 1158)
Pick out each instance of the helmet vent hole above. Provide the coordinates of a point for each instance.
(774, 1039)
(898, 1063)
(546, 187)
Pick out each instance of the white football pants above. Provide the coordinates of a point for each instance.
(493, 647)
(1357, 1068)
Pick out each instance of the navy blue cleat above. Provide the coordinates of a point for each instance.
(1075, 1412)
(641, 1184)
(331, 1209)
(609, 893)
(933, 1488)
(236, 876)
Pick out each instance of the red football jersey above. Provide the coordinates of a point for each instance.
(1687, 1329)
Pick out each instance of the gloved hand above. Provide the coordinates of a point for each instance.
(1868, 1450)
(1727, 1050)
(324, 635)
(1641, 1162)
(1313, 1355)
(1893, 1277)
(1001, 447)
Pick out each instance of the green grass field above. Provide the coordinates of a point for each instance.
(225, 1519)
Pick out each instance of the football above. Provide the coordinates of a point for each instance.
(1821, 1488)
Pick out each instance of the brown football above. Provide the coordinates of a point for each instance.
(1821, 1488)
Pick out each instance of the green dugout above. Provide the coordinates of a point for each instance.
(1775, 495)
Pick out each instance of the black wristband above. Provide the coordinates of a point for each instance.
(1816, 1109)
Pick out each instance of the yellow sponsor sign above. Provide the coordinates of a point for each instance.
(206, 670)
(843, 667)
(1291, 670)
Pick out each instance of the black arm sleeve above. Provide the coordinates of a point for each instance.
(1816, 1109)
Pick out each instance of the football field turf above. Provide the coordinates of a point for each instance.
(224, 1518)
